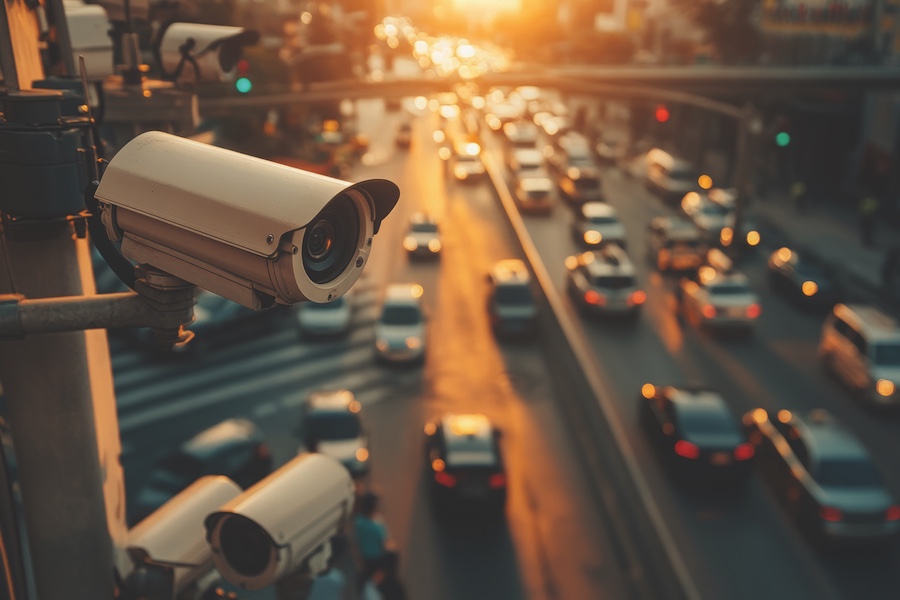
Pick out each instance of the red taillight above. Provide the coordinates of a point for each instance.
(744, 452)
(892, 513)
(637, 298)
(497, 480)
(827, 513)
(445, 479)
(709, 311)
(686, 449)
(753, 311)
(595, 298)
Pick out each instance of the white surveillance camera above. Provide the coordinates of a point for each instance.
(89, 33)
(175, 533)
(283, 523)
(250, 230)
(191, 52)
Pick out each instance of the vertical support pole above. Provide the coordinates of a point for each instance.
(49, 382)
(747, 125)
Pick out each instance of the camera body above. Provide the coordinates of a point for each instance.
(215, 50)
(250, 230)
(89, 34)
(282, 523)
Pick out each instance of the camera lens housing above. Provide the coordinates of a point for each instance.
(331, 240)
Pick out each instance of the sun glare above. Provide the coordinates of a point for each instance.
(488, 5)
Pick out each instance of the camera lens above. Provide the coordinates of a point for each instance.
(245, 545)
(331, 241)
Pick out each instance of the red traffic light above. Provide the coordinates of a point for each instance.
(662, 113)
(243, 66)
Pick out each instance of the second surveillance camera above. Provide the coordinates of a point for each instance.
(196, 52)
(250, 230)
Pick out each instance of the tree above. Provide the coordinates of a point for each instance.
(729, 25)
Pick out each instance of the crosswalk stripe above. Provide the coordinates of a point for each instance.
(352, 382)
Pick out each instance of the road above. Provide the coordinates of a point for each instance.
(551, 544)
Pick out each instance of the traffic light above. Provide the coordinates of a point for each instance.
(243, 84)
(662, 113)
(782, 139)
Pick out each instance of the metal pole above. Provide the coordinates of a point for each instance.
(48, 382)
(745, 126)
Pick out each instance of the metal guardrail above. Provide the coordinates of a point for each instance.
(650, 558)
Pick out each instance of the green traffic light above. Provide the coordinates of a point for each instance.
(783, 138)
(243, 85)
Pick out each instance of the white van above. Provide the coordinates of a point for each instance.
(861, 345)
(668, 176)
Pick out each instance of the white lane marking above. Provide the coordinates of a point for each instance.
(353, 382)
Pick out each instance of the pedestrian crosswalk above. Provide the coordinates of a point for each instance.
(258, 377)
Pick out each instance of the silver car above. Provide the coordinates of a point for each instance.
(719, 300)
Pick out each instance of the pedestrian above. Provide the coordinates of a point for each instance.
(371, 537)
(868, 213)
(889, 268)
(387, 579)
(799, 195)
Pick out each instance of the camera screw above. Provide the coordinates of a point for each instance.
(294, 250)
(270, 238)
(359, 261)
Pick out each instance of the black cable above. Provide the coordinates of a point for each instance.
(119, 265)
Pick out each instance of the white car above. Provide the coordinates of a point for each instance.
(331, 425)
(520, 133)
(595, 224)
(400, 330)
(465, 164)
(423, 240)
(526, 159)
(534, 192)
(328, 319)
(709, 217)
(719, 300)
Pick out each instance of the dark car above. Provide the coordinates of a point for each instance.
(804, 279)
(696, 433)
(675, 244)
(581, 184)
(511, 306)
(234, 448)
(465, 464)
(824, 476)
(604, 282)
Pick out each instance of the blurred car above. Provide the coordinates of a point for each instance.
(725, 197)
(709, 217)
(581, 184)
(465, 163)
(462, 454)
(569, 150)
(861, 345)
(717, 299)
(423, 240)
(331, 425)
(675, 244)
(521, 133)
(403, 137)
(326, 319)
(234, 448)
(525, 159)
(696, 433)
(534, 192)
(603, 282)
(511, 306)
(596, 224)
(611, 147)
(824, 476)
(667, 176)
(400, 329)
(804, 279)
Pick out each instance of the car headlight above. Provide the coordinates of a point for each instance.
(592, 237)
(809, 288)
(434, 245)
(410, 243)
(381, 345)
(413, 342)
(885, 387)
(726, 236)
(753, 238)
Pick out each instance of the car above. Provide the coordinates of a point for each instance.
(423, 240)
(534, 192)
(695, 432)
(669, 177)
(465, 465)
(709, 217)
(403, 137)
(804, 279)
(719, 299)
(521, 133)
(400, 329)
(675, 244)
(234, 448)
(465, 163)
(525, 159)
(581, 184)
(824, 476)
(326, 319)
(331, 425)
(511, 305)
(860, 344)
(569, 150)
(596, 224)
(603, 282)
(611, 147)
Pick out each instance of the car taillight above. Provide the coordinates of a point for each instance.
(497, 480)
(827, 513)
(594, 297)
(445, 479)
(709, 311)
(753, 311)
(686, 449)
(637, 298)
(744, 452)
(892, 513)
